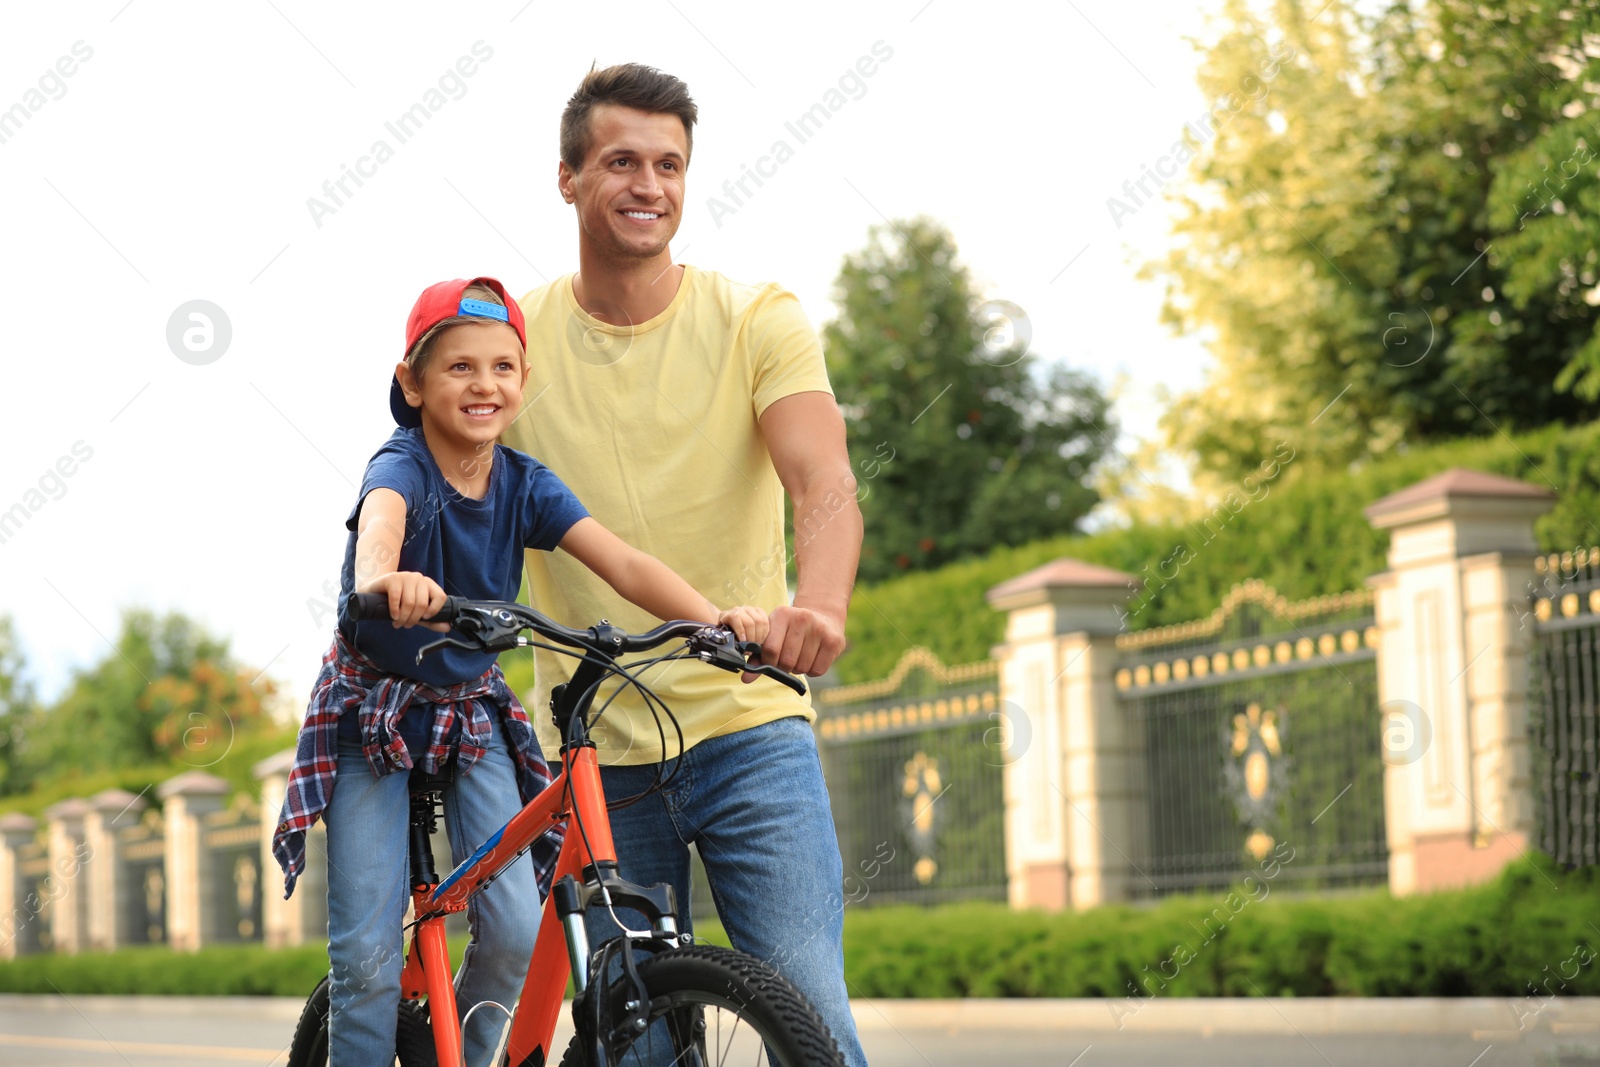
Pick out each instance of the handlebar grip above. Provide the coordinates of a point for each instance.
(364, 606)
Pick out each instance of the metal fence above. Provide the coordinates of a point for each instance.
(1564, 705)
(1262, 741)
(913, 764)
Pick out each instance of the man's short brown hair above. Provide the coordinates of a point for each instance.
(626, 85)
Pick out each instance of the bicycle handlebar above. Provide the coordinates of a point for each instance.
(487, 620)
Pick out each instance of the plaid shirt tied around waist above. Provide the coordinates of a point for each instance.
(350, 680)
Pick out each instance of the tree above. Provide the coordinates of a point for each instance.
(16, 709)
(1339, 245)
(167, 692)
(1545, 200)
(960, 439)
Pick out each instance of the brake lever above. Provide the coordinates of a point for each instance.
(745, 650)
(445, 642)
(489, 631)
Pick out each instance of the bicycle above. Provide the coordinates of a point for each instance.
(656, 1007)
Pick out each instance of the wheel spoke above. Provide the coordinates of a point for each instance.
(737, 1019)
(770, 1020)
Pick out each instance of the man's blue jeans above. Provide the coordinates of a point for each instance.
(367, 894)
(755, 806)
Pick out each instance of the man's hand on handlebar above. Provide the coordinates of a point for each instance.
(412, 598)
(802, 641)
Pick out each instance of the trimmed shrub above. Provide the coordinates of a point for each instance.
(1305, 537)
(1527, 934)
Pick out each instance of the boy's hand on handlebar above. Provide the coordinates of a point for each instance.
(412, 598)
(747, 623)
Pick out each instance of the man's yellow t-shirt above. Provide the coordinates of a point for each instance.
(654, 427)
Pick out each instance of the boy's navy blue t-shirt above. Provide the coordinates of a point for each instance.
(472, 548)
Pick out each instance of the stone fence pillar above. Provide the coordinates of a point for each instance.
(17, 912)
(193, 910)
(303, 917)
(106, 879)
(1075, 792)
(1452, 675)
(63, 887)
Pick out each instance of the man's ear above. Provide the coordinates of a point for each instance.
(408, 384)
(564, 182)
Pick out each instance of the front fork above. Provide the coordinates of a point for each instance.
(603, 887)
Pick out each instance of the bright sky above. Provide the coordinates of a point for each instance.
(175, 161)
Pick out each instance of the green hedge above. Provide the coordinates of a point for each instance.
(1490, 940)
(1305, 537)
(1531, 925)
(232, 970)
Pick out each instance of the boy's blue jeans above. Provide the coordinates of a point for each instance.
(367, 895)
(755, 805)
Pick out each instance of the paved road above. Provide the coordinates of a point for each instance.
(145, 1032)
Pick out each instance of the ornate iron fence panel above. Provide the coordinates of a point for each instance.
(913, 764)
(30, 926)
(233, 838)
(144, 852)
(1262, 741)
(1564, 705)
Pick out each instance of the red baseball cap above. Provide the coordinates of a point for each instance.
(444, 301)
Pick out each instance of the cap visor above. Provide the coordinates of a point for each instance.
(404, 414)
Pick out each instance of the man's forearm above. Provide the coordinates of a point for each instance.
(826, 553)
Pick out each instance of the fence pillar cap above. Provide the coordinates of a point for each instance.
(193, 784)
(67, 810)
(1091, 583)
(1459, 492)
(1084, 597)
(117, 800)
(18, 823)
(280, 763)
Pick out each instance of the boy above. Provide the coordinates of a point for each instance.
(442, 508)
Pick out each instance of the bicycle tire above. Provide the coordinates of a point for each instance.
(413, 1033)
(683, 982)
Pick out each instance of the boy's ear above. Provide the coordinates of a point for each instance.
(526, 368)
(408, 384)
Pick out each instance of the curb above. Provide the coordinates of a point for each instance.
(1483, 1018)
(273, 1008)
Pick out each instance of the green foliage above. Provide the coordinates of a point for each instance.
(16, 708)
(1489, 940)
(226, 970)
(1357, 229)
(168, 698)
(1303, 535)
(959, 441)
(250, 970)
(1545, 194)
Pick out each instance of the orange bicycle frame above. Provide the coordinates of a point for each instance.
(428, 971)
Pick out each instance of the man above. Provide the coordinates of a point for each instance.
(681, 407)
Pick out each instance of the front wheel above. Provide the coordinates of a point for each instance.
(413, 1033)
(713, 1006)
